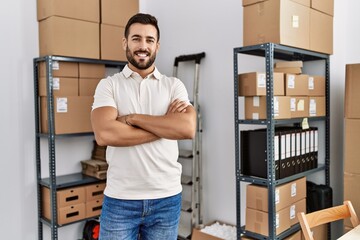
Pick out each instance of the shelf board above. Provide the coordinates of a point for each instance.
(282, 52)
(264, 182)
(282, 235)
(48, 222)
(47, 135)
(280, 121)
(70, 180)
(82, 60)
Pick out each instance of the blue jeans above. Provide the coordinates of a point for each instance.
(155, 219)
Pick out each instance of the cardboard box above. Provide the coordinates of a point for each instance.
(293, 70)
(111, 43)
(285, 195)
(296, 85)
(351, 193)
(91, 70)
(295, 236)
(94, 191)
(118, 12)
(352, 89)
(258, 221)
(317, 106)
(299, 107)
(69, 37)
(325, 6)
(87, 10)
(93, 208)
(198, 234)
(279, 21)
(87, 86)
(294, 209)
(289, 64)
(255, 107)
(254, 84)
(351, 146)
(66, 197)
(66, 214)
(316, 85)
(71, 114)
(62, 86)
(60, 69)
(321, 32)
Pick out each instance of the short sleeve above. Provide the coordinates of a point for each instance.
(104, 94)
(180, 91)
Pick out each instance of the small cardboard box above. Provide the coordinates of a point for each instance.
(66, 197)
(279, 21)
(118, 12)
(296, 85)
(258, 221)
(71, 213)
(285, 195)
(289, 64)
(294, 209)
(91, 70)
(87, 86)
(87, 10)
(71, 114)
(60, 69)
(93, 208)
(316, 85)
(352, 89)
(62, 86)
(299, 107)
(317, 106)
(111, 43)
(69, 37)
(94, 191)
(254, 84)
(255, 107)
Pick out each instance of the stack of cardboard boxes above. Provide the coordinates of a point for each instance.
(295, 95)
(352, 133)
(84, 28)
(306, 24)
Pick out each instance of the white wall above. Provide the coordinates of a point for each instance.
(186, 27)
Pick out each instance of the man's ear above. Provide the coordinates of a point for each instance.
(124, 43)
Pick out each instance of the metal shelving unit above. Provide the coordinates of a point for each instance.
(54, 182)
(269, 52)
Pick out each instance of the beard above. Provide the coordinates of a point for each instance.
(142, 65)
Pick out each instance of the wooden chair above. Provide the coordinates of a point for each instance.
(313, 219)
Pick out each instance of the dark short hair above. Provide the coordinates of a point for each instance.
(142, 18)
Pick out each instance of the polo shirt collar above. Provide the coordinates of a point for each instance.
(128, 72)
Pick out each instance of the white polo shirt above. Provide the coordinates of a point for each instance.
(150, 170)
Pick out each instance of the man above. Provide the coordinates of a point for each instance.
(140, 114)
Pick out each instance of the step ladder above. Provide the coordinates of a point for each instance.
(190, 158)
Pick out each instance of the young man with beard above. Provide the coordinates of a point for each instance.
(140, 114)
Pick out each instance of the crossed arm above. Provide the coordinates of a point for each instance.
(179, 122)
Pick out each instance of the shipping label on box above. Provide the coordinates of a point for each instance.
(296, 85)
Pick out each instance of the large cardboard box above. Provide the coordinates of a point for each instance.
(87, 10)
(321, 32)
(69, 37)
(255, 107)
(317, 106)
(111, 43)
(258, 221)
(316, 85)
(299, 107)
(91, 70)
(60, 69)
(296, 85)
(351, 186)
(71, 114)
(352, 89)
(285, 195)
(325, 6)
(62, 86)
(118, 12)
(279, 21)
(254, 84)
(351, 146)
(87, 86)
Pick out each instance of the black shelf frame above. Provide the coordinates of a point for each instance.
(54, 182)
(271, 51)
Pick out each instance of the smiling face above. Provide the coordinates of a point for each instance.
(141, 47)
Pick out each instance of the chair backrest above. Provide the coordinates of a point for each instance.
(313, 219)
